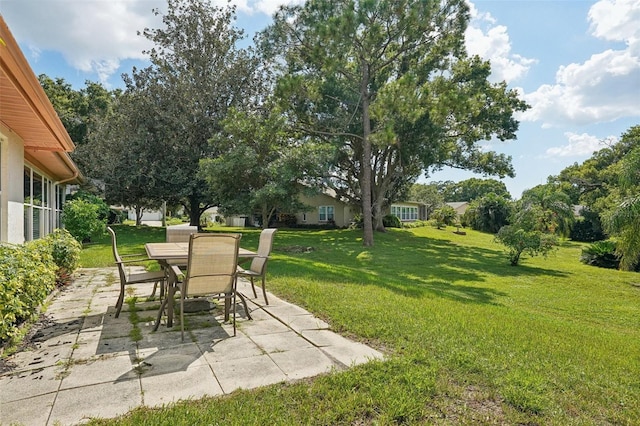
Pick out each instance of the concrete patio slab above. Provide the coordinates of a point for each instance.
(73, 406)
(247, 373)
(35, 412)
(84, 362)
(195, 382)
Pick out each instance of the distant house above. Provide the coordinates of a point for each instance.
(409, 211)
(459, 206)
(34, 150)
(326, 209)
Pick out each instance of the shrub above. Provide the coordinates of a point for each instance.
(81, 219)
(391, 221)
(488, 214)
(602, 254)
(27, 276)
(445, 215)
(419, 224)
(66, 254)
(519, 241)
(587, 228)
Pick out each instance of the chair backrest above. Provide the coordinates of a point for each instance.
(180, 234)
(213, 259)
(259, 263)
(116, 256)
(114, 246)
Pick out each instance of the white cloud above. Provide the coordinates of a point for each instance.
(97, 35)
(490, 41)
(605, 87)
(269, 7)
(577, 145)
(92, 36)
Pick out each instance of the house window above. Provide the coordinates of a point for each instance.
(405, 213)
(304, 217)
(325, 214)
(37, 205)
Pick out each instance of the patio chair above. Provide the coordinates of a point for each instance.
(176, 234)
(180, 234)
(132, 278)
(211, 271)
(258, 267)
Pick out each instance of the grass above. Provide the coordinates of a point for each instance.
(469, 338)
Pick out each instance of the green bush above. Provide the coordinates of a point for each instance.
(587, 228)
(602, 254)
(27, 276)
(65, 250)
(445, 215)
(418, 224)
(391, 221)
(82, 219)
(519, 241)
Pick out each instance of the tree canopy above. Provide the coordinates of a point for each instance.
(263, 166)
(197, 73)
(389, 85)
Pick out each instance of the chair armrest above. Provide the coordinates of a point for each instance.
(134, 255)
(135, 260)
(175, 271)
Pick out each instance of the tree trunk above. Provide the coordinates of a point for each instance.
(265, 217)
(139, 213)
(194, 211)
(378, 215)
(365, 183)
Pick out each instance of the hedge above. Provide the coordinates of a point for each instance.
(28, 274)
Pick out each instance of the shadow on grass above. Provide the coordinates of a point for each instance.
(402, 262)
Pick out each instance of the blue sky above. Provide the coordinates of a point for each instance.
(576, 62)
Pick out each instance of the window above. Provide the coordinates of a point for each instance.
(405, 213)
(37, 205)
(325, 214)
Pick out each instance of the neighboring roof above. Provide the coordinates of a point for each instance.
(457, 204)
(26, 110)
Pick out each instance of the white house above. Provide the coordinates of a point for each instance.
(34, 150)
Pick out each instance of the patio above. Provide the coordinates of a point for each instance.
(86, 363)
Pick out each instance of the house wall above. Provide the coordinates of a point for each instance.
(12, 187)
(343, 215)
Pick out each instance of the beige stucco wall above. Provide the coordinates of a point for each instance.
(12, 181)
(343, 214)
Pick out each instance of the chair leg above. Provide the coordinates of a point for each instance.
(234, 314)
(253, 287)
(182, 316)
(264, 292)
(160, 311)
(120, 300)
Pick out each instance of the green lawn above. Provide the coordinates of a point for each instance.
(469, 338)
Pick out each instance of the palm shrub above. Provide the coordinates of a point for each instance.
(445, 215)
(488, 213)
(602, 254)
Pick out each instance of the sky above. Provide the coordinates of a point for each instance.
(575, 62)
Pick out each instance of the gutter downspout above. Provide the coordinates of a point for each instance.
(76, 174)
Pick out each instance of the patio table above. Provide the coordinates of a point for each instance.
(165, 253)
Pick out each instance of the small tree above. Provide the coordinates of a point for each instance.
(520, 241)
(81, 219)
